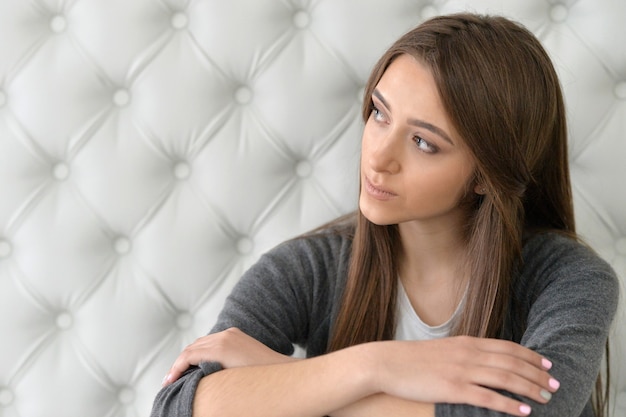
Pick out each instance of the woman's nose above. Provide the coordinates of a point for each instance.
(384, 154)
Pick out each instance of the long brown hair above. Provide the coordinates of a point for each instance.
(502, 95)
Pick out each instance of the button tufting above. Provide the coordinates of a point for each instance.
(620, 246)
(304, 169)
(6, 397)
(620, 90)
(243, 95)
(184, 321)
(58, 23)
(428, 11)
(181, 170)
(122, 245)
(5, 249)
(64, 320)
(61, 171)
(559, 12)
(245, 245)
(126, 395)
(179, 20)
(126, 160)
(121, 97)
(301, 19)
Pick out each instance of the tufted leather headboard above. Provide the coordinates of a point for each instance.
(151, 150)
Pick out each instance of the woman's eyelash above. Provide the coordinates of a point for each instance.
(375, 112)
(424, 146)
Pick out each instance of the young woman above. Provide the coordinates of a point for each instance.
(457, 289)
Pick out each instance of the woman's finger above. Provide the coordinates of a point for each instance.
(523, 363)
(188, 357)
(510, 348)
(509, 381)
(231, 348)
(487, 398)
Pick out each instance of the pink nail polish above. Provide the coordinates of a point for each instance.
(525, 409)
(546, 364)
(554, 384)
(166, 380)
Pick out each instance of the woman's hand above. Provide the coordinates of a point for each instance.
(464, 370)
(232, 348)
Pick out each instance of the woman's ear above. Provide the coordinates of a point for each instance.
(480, 189)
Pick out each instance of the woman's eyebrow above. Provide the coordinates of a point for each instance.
(429, 126)
(416, 122)
(380, 97)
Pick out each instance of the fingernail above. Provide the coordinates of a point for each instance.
(525, 409)
(546, 395)
(554, 384)
(546, 364)
(166, 380)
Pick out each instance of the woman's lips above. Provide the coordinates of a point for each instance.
(377, 191)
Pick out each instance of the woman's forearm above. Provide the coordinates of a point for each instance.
(283, 391)
(378, 405)
(451, 370)
(312, 387)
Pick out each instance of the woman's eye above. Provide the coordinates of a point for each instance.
(377, 114)
(424, 146)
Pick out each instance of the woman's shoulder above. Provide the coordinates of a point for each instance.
(324, 250)
(553, 255)
(559, 247)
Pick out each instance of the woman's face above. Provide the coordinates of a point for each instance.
(414, 167)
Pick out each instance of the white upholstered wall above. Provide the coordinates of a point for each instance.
(150, 150)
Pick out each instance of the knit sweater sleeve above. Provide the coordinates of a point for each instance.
(566, 298)
(286, 298)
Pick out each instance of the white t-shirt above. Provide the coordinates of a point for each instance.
(411, 327)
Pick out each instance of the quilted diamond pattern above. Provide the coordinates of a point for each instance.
(150, 151)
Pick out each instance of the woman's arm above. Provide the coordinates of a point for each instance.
(313, 387)
(380, 377)
(234, 349)
(285, 298)
(566, 298)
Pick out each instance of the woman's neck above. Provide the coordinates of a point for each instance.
(432, 270)
(431, 253)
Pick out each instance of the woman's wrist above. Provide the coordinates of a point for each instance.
(368, 367)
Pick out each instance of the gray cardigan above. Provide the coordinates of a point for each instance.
(564, 300)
